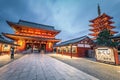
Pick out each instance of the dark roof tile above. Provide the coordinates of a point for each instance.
(116, 36)
(72, 41)
(4, 41)
(35, 25)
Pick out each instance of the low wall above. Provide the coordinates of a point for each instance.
(107, 55)
(81, 52)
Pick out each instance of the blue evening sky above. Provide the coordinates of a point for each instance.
(70, 16)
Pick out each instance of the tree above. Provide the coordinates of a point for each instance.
(104, 39)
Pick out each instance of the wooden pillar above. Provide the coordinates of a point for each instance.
(32, 47)
(71, 50)
(62, 51)
(116, 56)
(56, 50)
(84, 44)
(0, 46)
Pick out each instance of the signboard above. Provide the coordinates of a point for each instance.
(87, 45)
(80, 45)
(105, 54)
(84, 45)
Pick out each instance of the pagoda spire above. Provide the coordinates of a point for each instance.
(99, 11)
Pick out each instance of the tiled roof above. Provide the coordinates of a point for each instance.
(72, 41)
(3, 40)
(103, 15)
(35, 25)
(116, 36)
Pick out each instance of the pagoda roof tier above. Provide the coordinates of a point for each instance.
(95, 26)
(105, 23)
(32, 25)
(110, 27)
(98, 29)
(94, 30)
(16, 37)
(94, 34)
(101, 16)
(113, 32)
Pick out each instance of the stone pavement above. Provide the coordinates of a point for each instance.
(5, 59)
(41, 67)
(101, 71)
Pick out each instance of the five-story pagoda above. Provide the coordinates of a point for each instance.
(103, 21)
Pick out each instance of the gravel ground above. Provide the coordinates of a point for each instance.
(99, 70)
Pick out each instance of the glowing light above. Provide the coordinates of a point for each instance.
(6, 47)
(20, 42)
(50, 44)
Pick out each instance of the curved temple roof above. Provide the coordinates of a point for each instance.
(72, 41)
(33, 25)
(4, 41)
(116, 36)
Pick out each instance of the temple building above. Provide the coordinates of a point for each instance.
(33, 35)
(116, 38)
(77, 47)
(5, 45)
(103, 21)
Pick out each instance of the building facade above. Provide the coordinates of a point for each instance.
(33, 35)
(77, 47)
(5, 45)
(116, 38)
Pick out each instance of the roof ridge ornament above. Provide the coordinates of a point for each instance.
(99, 10)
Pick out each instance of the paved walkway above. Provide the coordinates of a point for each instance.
(101, 71)
(41, 67)
(5, 59)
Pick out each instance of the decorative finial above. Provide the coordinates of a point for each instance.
(99, 11)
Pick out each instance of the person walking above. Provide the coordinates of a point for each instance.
(12, 52)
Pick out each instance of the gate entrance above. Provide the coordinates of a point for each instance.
(36, 47)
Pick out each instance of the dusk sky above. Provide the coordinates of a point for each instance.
(70, 16)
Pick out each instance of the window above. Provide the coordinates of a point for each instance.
(74, 49)
(59, 50)
(6, 47)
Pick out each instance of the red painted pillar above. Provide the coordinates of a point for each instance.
(62, 51)
(71, 50)
(116, 56)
